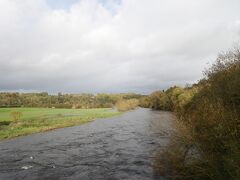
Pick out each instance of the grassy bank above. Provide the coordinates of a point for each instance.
(22, 121)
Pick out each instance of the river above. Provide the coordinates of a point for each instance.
(121, 147)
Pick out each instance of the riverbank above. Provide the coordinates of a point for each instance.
(23, 121)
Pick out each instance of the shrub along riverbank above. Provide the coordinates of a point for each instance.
(206, 144)
(126, 105)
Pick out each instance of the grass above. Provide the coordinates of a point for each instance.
(43, 119)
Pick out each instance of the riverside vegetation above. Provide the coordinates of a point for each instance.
(129, 104)
(206, 142)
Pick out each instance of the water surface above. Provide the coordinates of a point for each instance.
(121, 147)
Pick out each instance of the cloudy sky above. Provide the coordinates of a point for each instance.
(111, 45)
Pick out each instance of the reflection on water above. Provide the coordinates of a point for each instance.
(115, 148)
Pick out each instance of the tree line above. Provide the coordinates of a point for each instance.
(61, 100)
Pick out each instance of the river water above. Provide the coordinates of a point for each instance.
(120, 147)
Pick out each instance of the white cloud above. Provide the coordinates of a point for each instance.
(95, 47)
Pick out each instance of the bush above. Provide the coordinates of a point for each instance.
(214, 117)
(16, 116)
(144, 102)
(173, 99)
(210, 114)
(125, 105)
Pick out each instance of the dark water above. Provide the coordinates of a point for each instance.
(121, 147)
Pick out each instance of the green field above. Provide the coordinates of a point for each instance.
(43, 119)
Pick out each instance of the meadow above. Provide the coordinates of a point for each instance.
(23, 121)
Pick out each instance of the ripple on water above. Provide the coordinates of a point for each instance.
(114, 148)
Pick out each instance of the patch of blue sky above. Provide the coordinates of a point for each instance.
(111, 5)
(66, 4)
(61, 4)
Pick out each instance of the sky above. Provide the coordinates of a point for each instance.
(111, 46)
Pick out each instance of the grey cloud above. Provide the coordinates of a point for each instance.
(132, 46)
